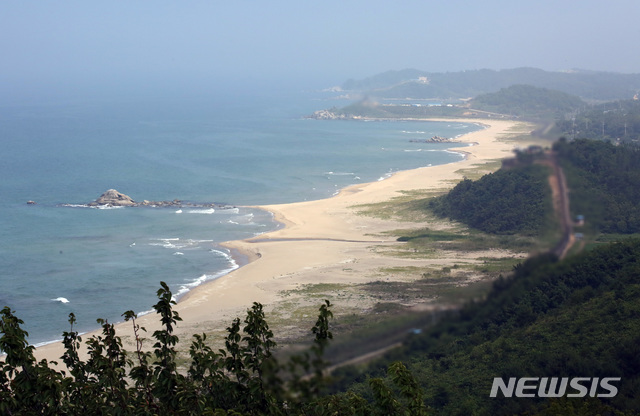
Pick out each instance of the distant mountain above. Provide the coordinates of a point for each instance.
(413, 83)
(384, 80)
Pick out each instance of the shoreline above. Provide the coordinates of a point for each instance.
(317, 239)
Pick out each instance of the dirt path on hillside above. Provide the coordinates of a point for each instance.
(560, 197)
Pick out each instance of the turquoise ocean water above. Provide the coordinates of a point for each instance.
(60, 256)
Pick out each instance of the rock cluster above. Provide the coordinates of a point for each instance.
(434, 139)
(327, 115)
(114, 198)
(174, 203)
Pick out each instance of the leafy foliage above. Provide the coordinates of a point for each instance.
(244, 378)
(505, 202)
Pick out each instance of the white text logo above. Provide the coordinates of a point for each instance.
(555, 387)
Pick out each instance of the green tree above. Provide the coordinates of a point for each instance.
(243, 378)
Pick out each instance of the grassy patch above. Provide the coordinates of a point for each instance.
(610, 238)
(317, 289)
(496, 266)
(387, 324)
(477, 171)
(402, 208)
(460, 238)
(410, 270)
(432, 284)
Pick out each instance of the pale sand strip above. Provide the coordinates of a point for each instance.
(317, 254)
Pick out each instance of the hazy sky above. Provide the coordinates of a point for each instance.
(67, 44)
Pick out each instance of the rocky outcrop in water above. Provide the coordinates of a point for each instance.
(327, 115)
(113, 198)
(434, 139)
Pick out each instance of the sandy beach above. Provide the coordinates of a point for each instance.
(324, 241)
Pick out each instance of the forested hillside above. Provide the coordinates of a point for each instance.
(602, 178)
(617, 121)
(528, 101)
(604, 183)
(505, 202)
(575, 318)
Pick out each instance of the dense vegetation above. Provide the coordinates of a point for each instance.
(578, 317)
(585, 84)
(505, 202)
(603, 180)
(613, 121)
(527, 101)
(244, 378)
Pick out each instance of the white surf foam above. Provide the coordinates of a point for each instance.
(386, 176)
(42, 344)
(145, 312)
(61, 300)
(202, 211)
(339, 173)
(232, 265)
(91, 206)
(246, 219)
(455, 153)
(177, 243)
(166, 242)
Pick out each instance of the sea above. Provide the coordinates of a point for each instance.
(60, 255)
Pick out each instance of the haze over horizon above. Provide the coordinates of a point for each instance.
(69, 48)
